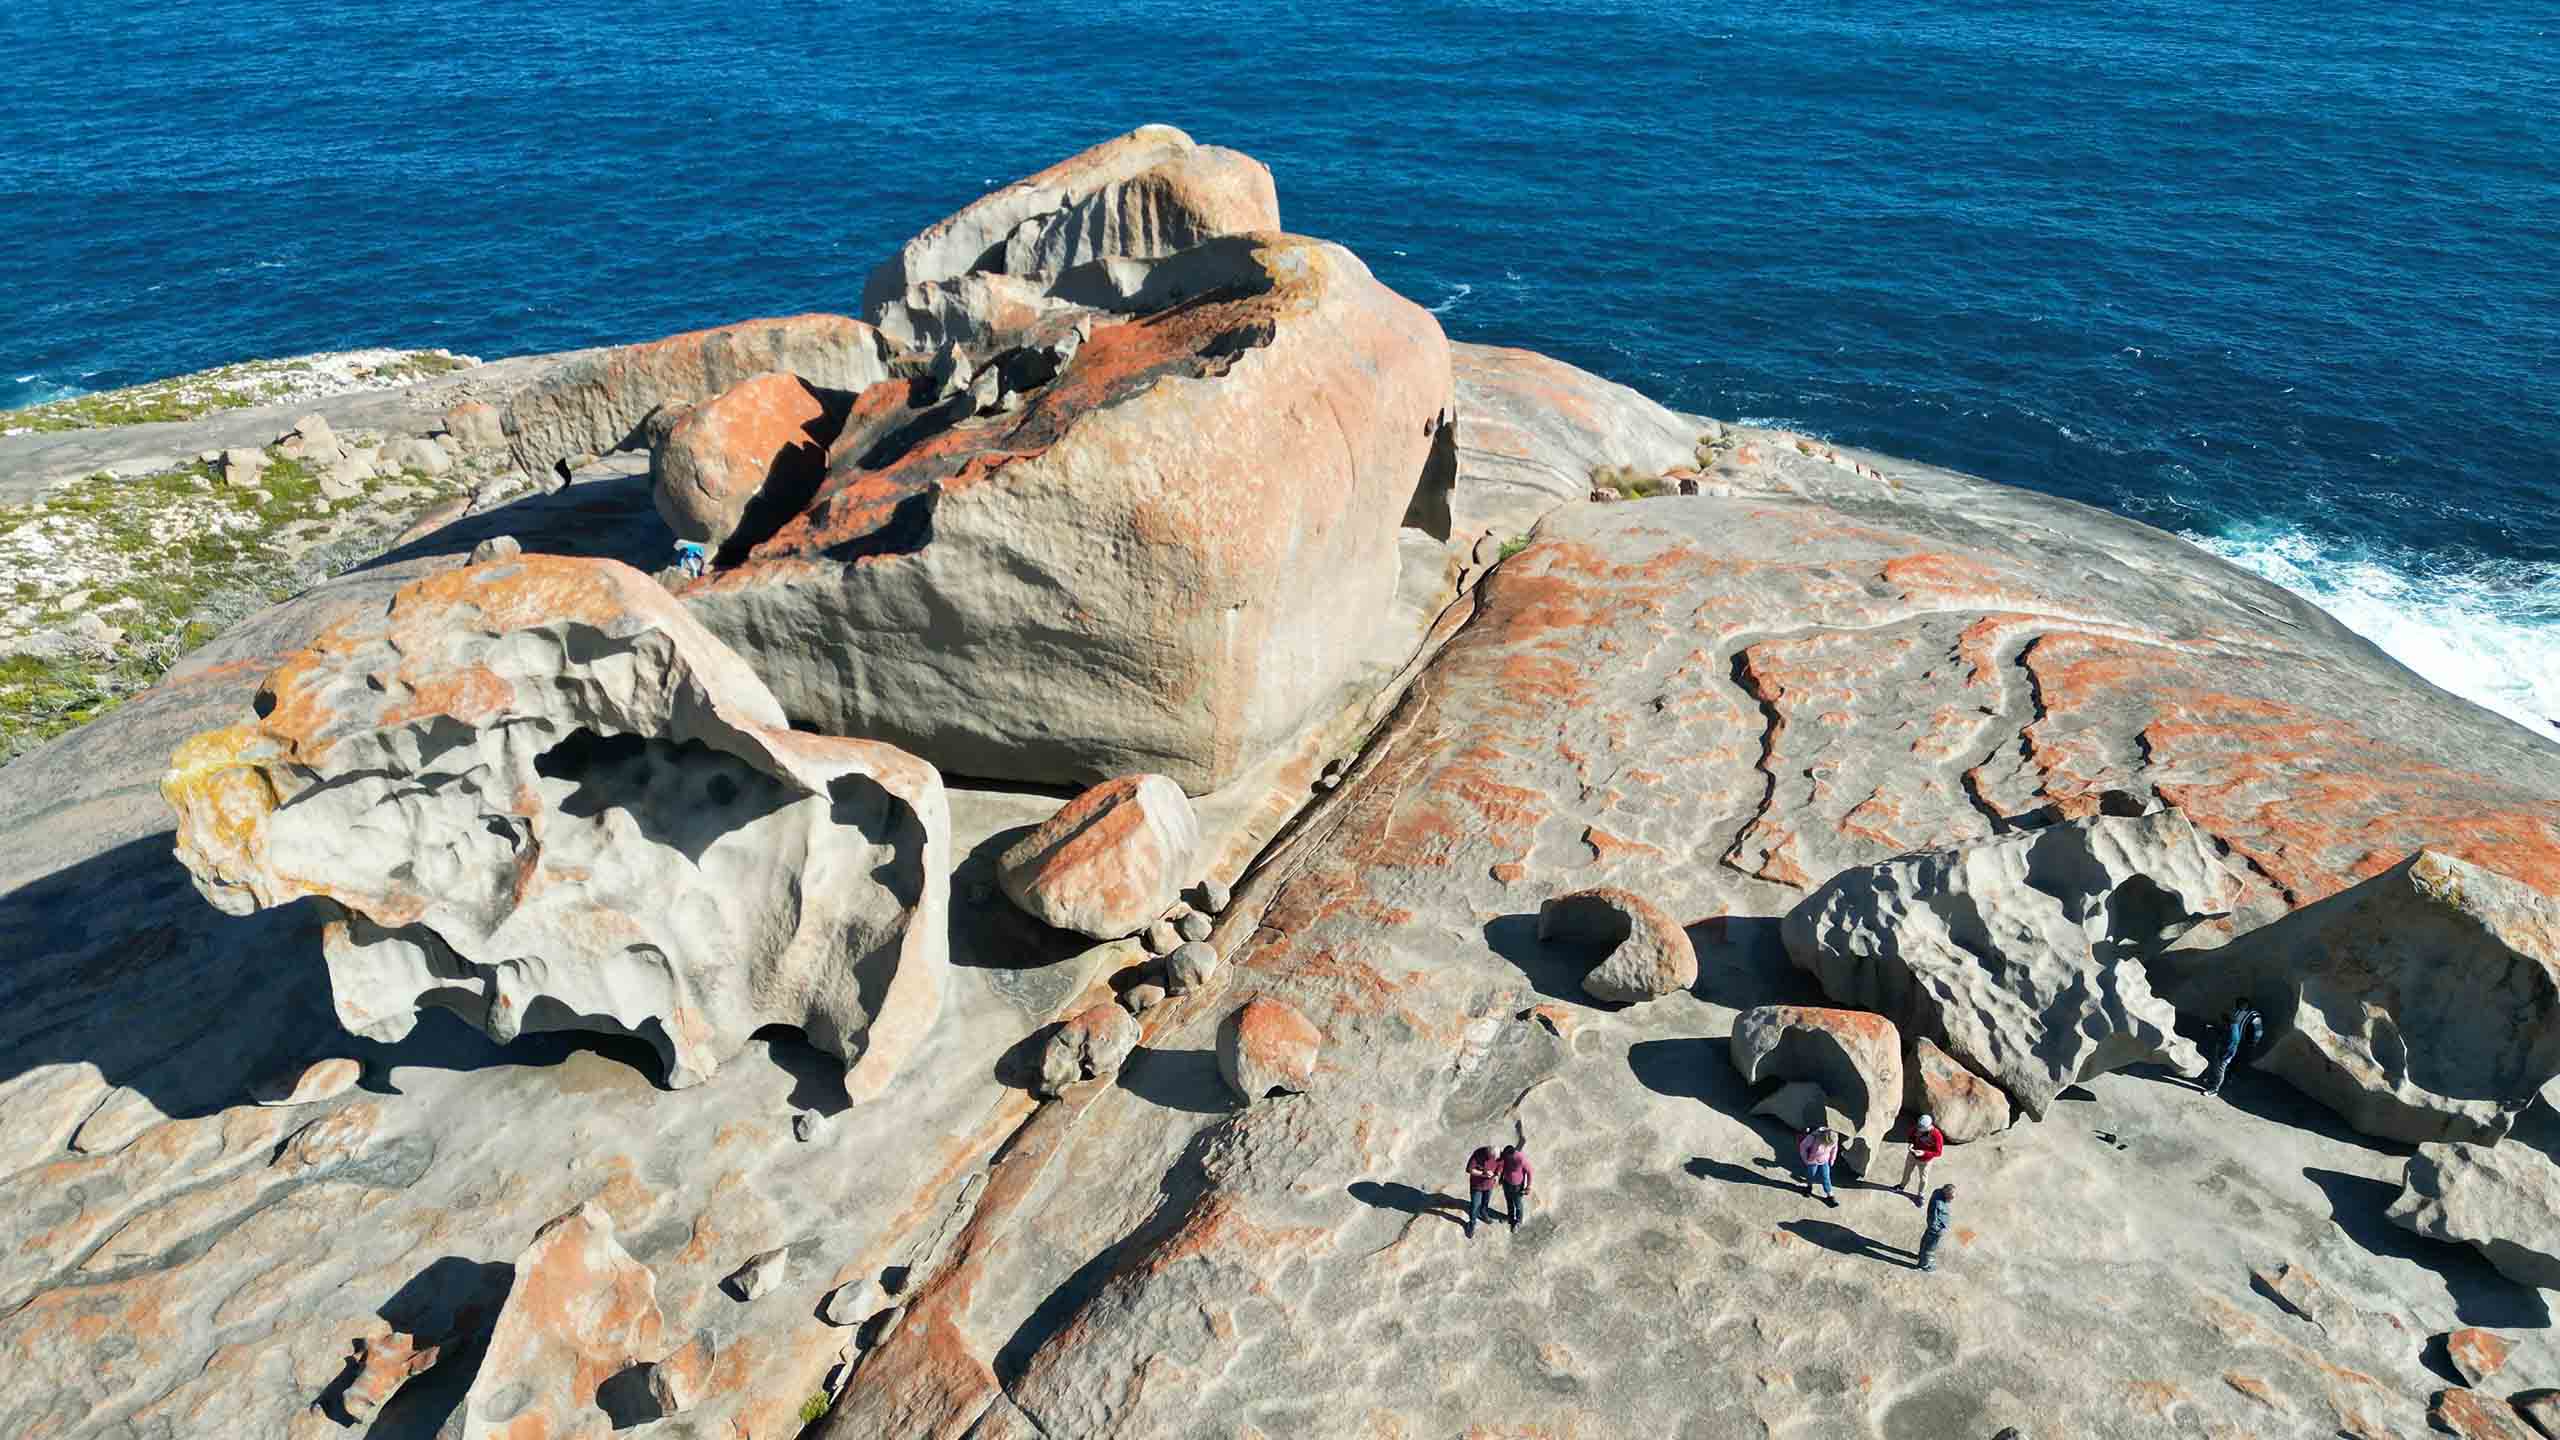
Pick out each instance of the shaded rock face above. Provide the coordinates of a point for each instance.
(2422, 1004)
(1116, 577)
(1855, 1057)
(581, 1312)
(603, 401)
(2022, 956)
(756, 449)
(1964, 1105)
(535, 793)
(1645, 954)
(1151, 192)
(2501, 1200)
(1110, 862)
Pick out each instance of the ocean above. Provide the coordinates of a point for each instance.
(2282, 277)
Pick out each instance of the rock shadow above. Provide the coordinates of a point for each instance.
(1410, 1200)
(2481, 1296)
(1699, 1069)
(1186, 1080)
(989, 931)
(1743, 964)
(625, 1399)
(443, 1040)
(817, 1078)
(454, 1304)
(1841, 1240)
(1554, 970)
(2268, 1097)
(610, 517)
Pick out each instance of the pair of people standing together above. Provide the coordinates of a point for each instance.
(1485, 1169)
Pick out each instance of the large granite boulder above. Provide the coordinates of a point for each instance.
(581, 1312)
(759, 446)
(538, 794)
(1153, 191)
(2022, 956)
(1963, 1105)
(1170, 557)
(1643, 952)
(605, 400)
(2503, 1200)
(1856, 1058)
(1110, 863)
(2422, 1004)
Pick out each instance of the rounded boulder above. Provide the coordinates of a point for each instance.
(767, 434)
(1268, 1048)
(1110, 862)
(1091, 1046)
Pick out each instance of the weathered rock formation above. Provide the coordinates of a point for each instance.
(1531, 430)
(1642, 952)
(2422, 1004)
(603, 401)
(2502, 1200)
(1089, 1046)
(1151, 192)
(760, 445)
(2022, 956)
(581, 1312)
(537, 794)
(1110, 862)
(1962, 1104)
(1117, 576)
(1854, 1056)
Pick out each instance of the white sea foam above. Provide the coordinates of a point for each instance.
(2488, 632)
(1458, 290)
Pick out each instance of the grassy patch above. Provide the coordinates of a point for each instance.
(171, 560)
(815, 1408)
(1514, 546)
(186, 397)
(1628, 482)
(1712, 448)
(412, 367)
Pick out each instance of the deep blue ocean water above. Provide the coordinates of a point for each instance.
(2281, 276)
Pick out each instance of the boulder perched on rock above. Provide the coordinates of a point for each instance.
(1964, 1105)
(581, 1312)
(474, 427)
(1116, 575)
(2476, 1354)
(2022, 955)
(1153, 191)
(1091, 1046)
(2502, 1200)
(1110, 862)
(1189, 967)
(599, 402)
(758, 447)
(383, 1363)
(1648, 954)
(536, 793)
(2422, 1004)
(1856, 1058)
(1267, 1047)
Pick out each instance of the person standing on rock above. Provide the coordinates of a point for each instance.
(691, 558)
(1928, 1142)
(1514, 1174)
(1819, 1147)
(1483, 1167)
(1942, 1208)
(2244, 1028)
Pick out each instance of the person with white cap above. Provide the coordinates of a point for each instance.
(1928, 1142)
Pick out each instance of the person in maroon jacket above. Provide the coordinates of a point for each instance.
(1482, 1169)
(1513, 1171)
(1928, 1142)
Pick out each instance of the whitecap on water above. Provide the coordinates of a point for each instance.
(1458, 290)
(2488, 630)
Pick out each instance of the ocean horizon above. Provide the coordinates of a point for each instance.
(2274, 278)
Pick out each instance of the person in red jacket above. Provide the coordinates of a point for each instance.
(1514, 1174)
(1928, 1142)
(1482, 1169)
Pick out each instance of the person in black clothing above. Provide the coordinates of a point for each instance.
(2240, 1031)
(1934, 1228)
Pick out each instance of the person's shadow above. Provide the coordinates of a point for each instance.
(1841, 1240)
(1771, 1173)
(1396, 1195)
